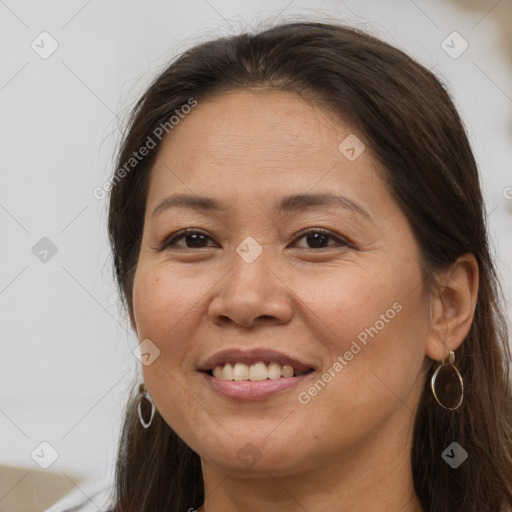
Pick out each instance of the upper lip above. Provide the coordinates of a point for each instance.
(235, 355)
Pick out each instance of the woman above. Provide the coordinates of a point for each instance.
(298, 234)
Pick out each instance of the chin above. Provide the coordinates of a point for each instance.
(252, 454)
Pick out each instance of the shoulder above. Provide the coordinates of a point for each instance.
(86, 498)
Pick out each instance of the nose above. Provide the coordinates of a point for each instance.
(252, 294)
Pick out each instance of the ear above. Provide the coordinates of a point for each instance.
(452, 307)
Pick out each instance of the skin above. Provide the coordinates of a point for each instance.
(348, 449)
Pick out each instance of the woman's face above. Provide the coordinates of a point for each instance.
(327, 282)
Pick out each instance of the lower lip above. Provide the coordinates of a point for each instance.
(253, 389)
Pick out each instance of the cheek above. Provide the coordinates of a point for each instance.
(346, 302)
(373, 328)
(164, 312)
(163, 308)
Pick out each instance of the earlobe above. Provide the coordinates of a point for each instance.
(452, 307)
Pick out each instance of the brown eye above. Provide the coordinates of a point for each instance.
(319, 238)
(193, 239)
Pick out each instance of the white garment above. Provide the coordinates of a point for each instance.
(88, 497)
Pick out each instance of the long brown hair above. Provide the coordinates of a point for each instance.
(407, 117)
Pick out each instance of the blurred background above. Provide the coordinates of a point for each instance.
(70, 72)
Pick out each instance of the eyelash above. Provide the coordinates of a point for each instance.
(171, 240)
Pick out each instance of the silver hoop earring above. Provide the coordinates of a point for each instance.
(451, 384)
(145, 395)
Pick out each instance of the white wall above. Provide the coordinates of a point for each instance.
(67, 357)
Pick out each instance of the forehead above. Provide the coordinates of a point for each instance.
(260, 141)
(258, 122)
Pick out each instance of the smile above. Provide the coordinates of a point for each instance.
(250, 390)
(255, 372)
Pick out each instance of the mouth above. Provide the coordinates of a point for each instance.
(262, 370)
(254, 365)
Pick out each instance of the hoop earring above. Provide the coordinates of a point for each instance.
(145, 395)
(452, 401)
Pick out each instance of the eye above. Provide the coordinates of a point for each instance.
(318, 238)
(193, 239)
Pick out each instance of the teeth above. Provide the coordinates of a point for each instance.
(240, 371)
(287, 371)
(274, 371)
(218, 372)
(257, 371)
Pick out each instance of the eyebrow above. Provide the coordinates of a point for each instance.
(287, 204)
